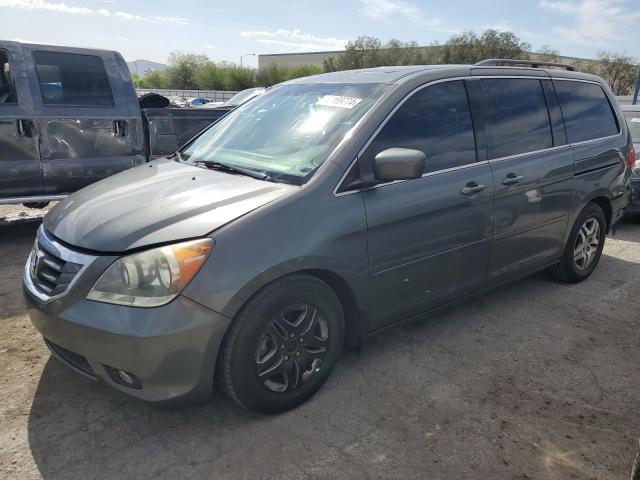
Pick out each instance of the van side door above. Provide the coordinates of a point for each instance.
(88, 129)
(20, 167)
(533, 169)
(428, 238)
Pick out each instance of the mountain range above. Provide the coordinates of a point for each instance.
(140, 67)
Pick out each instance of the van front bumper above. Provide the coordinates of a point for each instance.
(169, 352)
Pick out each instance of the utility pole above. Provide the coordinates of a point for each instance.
(634, 100)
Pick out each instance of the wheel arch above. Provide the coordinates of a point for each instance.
(356, 324)
(603, 202)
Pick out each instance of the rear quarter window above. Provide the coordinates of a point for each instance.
(72, 79)
(586, 110)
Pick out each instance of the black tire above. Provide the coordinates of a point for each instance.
(569, 270)
(635, 472)
(265, 380)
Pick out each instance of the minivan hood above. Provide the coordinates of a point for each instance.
(162, 201)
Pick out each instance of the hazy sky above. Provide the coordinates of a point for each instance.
(224, 30)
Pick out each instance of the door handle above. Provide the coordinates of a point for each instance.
(25, 128)
(512, 179)
(120, 128)
(471, 188)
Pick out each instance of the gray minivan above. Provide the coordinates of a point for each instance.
(325, 210)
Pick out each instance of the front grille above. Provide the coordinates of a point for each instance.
(51, 275)
(53, 268)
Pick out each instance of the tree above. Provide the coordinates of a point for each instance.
(619, 71)
(154, 79)
(272, 74)
(547, 54)
(275, 73)
(136, 79)
(364, 52)
(209, 76)
(465, 48)
(367, 52)
(182, 68)
(238, 78)
(469, 48)
(396, 52)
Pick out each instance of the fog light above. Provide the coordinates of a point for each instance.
(126, 379)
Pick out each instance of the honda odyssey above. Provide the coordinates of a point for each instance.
(325, 210)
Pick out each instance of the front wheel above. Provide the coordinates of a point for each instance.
(283, 344)
(584, 247)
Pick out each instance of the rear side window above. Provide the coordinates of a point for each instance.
(72, 79)
(7, 92)
(517, 117)
(586, 110)
(435, 120)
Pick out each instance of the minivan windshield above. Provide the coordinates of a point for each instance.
(288, 132)
(633, 120)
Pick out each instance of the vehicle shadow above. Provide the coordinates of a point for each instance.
(467, 358)
(629, 230)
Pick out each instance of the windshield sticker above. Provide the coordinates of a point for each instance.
(338, 101)
(635, 120)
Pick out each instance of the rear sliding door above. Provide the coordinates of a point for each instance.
(533, 171)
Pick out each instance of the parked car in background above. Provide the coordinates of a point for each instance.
(327, 209)
(238, 99)
(70, 116)
(632, 115)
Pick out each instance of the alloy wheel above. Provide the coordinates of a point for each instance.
(292, 347)
(586, 246)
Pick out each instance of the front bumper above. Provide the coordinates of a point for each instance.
(170, 349)
(634, 206)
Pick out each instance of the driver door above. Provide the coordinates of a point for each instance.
(429, 238)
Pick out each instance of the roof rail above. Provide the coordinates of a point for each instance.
(497, 62)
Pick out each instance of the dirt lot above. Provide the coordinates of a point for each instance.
(536, 380)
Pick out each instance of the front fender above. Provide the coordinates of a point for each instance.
(326, 233)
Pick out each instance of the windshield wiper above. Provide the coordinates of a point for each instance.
(231, 169)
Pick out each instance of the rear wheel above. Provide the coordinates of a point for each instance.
(283, 344)
(584, 247)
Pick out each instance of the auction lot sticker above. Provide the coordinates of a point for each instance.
(338, 101)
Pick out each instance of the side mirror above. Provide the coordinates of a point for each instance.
(399, 164)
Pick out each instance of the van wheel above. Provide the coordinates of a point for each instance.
(584, 247)
(283, 344)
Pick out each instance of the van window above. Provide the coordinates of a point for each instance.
(586, 110)
(435, 120)
(72, 79)
(7, 93)
(517, 116)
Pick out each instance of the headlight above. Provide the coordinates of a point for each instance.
(153, 277)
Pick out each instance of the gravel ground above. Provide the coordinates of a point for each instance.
(537, 380)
